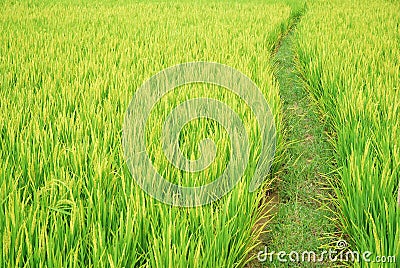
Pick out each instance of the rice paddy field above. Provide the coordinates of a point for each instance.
(69, 69)
(352, 69)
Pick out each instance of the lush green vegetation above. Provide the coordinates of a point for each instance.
(67, 74)
(69, 69)
(349, 55)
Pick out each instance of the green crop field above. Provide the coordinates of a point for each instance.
(69, 70)
(352, 69)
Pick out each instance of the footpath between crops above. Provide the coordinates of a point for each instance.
(300, 219)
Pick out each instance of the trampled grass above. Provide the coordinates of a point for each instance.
(349, 55)
(67, 73)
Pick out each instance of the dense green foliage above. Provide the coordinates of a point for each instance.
(349, 55)
(67, 74)
(68, 71)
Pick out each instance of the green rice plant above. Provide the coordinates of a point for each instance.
(67, 73)
(348, 54)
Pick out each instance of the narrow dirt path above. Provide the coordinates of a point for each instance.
(301, 223)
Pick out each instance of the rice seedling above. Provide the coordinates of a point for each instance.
(348, 54)
(67, 73)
